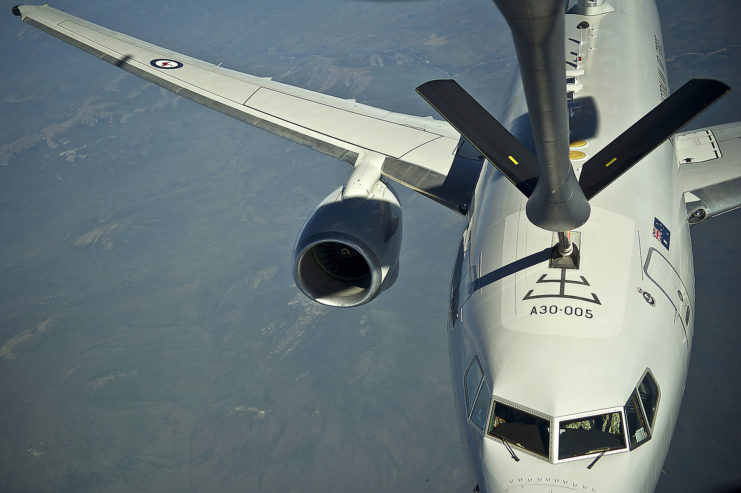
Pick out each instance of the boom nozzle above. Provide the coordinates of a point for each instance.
(557, 203)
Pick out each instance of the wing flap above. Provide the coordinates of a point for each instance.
(709, 162)
(709, 156)
(324, 119)
(340, 128)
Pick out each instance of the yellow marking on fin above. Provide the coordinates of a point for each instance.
(513, 160)
(611, 161)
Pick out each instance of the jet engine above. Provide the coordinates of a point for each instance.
(348, 249)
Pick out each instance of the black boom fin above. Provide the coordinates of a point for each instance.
(649, 132)
(520, 166)
(483, 131)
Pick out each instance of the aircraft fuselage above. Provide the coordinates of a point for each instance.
(563, 344)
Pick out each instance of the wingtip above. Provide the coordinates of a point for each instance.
(16, 10)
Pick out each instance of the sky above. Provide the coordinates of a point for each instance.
(151, 337)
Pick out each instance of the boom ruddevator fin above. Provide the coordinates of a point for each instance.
(483, 131)
(649, 132)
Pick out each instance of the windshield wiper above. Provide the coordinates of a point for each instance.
(597, 458)
(507, 446)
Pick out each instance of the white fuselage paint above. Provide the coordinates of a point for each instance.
(563, 364)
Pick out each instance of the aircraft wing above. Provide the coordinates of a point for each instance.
(426, 155)
(710, 170)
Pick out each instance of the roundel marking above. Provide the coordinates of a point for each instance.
(649, 299)
(165, 63)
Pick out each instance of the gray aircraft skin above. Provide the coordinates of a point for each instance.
(573, 297)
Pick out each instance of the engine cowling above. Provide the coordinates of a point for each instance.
(348, 250)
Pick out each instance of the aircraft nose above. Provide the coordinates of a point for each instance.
(532, 488)
(541, 488)
(537, 483)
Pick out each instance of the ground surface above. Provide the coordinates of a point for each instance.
(151, 337)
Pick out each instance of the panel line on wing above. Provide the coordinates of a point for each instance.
(338, 128)
(413, 139)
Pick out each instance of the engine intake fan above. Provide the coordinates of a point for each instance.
(348, 250)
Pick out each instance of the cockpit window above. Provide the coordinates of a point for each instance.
(593, 434)
(481, 407)
(520, 428)
(637, 429)
(478, 395)
(612, 429)
(649, 392)
(473, 377)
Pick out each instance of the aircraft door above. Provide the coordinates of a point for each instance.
(662, 273)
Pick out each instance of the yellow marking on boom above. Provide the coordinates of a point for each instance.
(611, 161)
(513, 160)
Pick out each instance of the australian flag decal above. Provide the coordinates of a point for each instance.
(661, 233)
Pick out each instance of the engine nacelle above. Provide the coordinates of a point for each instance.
(348, 249)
